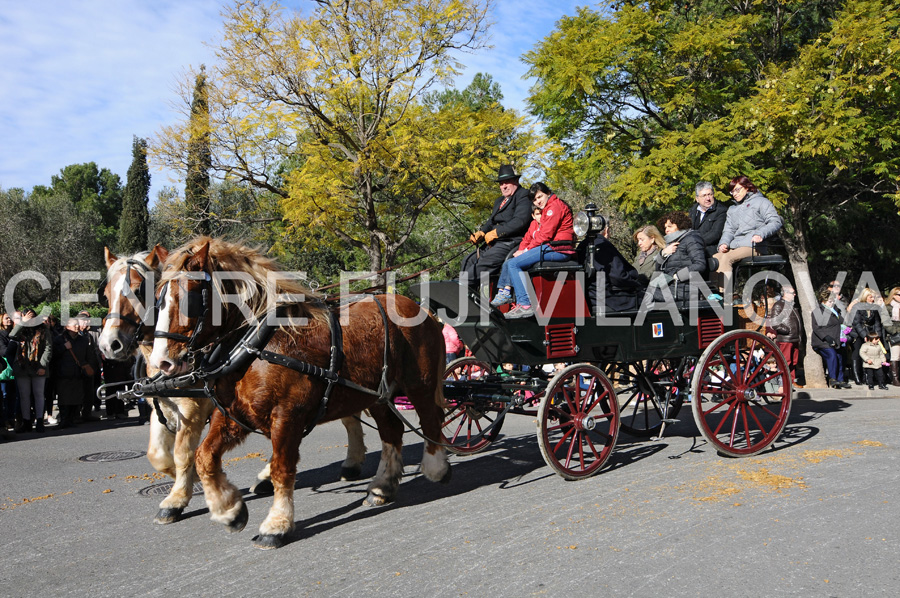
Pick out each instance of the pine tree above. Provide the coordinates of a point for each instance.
(135, 220)
(199, 159)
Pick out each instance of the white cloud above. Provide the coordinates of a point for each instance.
(79, 78)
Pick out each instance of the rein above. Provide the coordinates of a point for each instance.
(251, 347)
(404, 279)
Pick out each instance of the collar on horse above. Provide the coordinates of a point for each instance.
(213, 365)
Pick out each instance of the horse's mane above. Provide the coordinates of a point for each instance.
(251, 281)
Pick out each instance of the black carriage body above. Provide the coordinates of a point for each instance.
(565, 333)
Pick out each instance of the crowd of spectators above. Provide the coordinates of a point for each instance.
(51, 372)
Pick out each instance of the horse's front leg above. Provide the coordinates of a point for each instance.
(190, 419)
(279, 523)
(383, 487)
(222, 497)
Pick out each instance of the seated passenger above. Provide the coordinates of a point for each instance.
(621, 284)
(502, 231)
(708, 216)
(649, 241)
(553, 223)
(750, 221)
(684, 253)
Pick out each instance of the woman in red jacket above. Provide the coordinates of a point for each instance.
(555, 223)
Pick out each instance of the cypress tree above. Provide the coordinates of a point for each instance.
(135, 220)
(199, 158)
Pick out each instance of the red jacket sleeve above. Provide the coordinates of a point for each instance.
(528, 239)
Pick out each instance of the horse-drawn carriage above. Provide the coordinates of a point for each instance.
(632, 370)
(280, 369)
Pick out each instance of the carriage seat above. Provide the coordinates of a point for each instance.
(762, 260)
(551, 267)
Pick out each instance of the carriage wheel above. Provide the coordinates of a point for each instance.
(578, 421)
(649, 392)
(467, 418)
(739, 405)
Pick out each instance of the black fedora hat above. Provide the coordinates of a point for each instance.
(506, 173)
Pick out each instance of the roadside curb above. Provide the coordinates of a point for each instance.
(855, 393)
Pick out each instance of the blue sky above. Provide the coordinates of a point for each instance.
(79, 78)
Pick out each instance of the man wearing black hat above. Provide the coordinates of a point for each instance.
(503, 231)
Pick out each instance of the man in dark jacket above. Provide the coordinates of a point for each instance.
(708, 216)
(72, 352)
(503, 231)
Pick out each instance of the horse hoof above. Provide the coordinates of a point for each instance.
(263, 488)
(240, 521)
(269, 541)
(350, 474)
(166, 516)
(374, 500)
(447, 476)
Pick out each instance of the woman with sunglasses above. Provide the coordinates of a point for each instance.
(750, 222)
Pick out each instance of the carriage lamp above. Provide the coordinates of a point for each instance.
(589, 222)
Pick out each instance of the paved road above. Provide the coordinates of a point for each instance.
(817, 516)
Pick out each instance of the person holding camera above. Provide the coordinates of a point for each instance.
(826, 334)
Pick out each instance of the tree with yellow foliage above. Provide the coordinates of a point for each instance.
(326, 111)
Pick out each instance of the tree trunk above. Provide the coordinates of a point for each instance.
(806, 293)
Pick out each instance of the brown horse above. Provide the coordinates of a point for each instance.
(124, 334)
(405, 358)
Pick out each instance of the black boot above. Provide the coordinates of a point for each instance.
(895, 373)
(857, 372)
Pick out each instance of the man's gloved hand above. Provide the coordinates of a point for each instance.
(476, 237)
(491, 236)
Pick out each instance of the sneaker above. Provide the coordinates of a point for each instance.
(882, 387)
(714, 297)
(520, 311)
(501, 298)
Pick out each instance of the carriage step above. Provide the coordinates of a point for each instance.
(670, 421)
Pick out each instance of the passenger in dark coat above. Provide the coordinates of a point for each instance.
(622, 288)
(503, 231)
(683, 254)
(708, 217)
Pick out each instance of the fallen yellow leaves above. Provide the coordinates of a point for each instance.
(774, 473)
(11, 504)
(259, 456)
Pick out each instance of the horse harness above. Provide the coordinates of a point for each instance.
(145, 271)
(251, 346)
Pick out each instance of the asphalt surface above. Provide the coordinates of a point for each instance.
(816, 515)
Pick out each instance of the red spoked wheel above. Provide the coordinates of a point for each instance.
(741, 393)
(578, 421)
(650, 392)
(471, 422)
